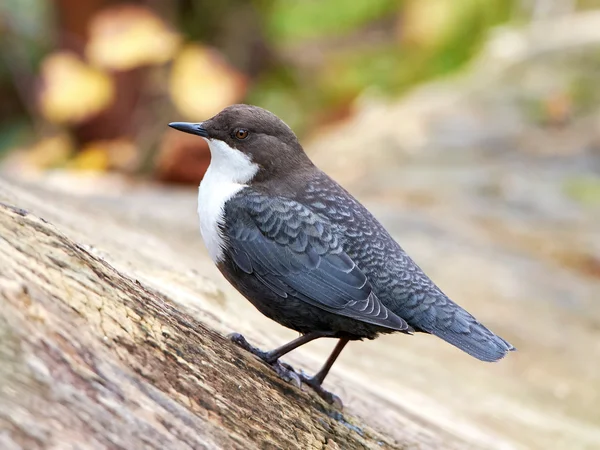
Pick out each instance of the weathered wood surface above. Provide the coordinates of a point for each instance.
(419, 392)
(90, 358)
(488, 216)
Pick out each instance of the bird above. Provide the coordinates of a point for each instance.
(307, 254)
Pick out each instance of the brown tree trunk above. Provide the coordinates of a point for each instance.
(74, 17)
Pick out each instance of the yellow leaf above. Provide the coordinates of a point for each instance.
(72, 91)
(92, 157)
(102, 155)
(128, 36)
(427, 23)
(49, 152)
(202, 82)
(123, 154)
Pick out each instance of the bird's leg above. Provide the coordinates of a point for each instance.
(277, 353)
(285, 371)
(316, 381)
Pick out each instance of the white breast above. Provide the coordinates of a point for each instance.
(229, 172)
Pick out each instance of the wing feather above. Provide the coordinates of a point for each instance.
(293, 251)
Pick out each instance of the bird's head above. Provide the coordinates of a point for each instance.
(249, 140)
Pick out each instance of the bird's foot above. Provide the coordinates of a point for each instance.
(316, 385)
(287, 372)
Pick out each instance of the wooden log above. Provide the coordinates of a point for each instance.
(92, 359)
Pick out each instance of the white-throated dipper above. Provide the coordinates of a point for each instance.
(306, 253)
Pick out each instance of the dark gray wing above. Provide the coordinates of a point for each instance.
(296, 252)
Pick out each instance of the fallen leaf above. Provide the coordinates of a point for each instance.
(558, 108)
(72, 91)
(428, 23)
(127, 36)
(110, 154)
(91, 158)
(49, 152)
(202, 82)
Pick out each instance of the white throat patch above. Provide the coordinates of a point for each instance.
(229, 172)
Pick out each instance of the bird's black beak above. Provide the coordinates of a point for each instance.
(192, 128)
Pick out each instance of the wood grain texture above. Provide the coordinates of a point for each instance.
(90, 358)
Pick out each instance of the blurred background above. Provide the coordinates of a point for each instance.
(471, 128)
(90, 84)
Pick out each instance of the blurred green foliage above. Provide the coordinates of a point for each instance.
(293, 21)
(389, 66)
(585, 190)
(588, 4)
(306, 60)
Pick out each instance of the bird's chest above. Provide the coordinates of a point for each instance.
(213, 193)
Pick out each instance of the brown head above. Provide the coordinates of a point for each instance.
(255, 132)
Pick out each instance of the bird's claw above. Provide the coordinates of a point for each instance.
(329, 397)
(241, 341)
(287, 372)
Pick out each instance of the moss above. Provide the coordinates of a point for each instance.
(584, 190)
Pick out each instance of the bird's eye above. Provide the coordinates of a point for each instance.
(241, 133)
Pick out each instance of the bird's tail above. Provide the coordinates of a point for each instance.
(478, 342)
(447, 320)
